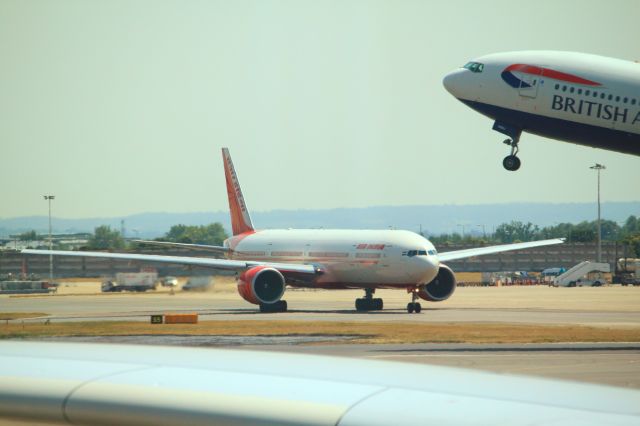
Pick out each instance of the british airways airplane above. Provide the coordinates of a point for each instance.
(574, 97)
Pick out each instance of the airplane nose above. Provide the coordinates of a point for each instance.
(430, 268)
(452, 82)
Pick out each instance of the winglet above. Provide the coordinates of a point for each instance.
(240, 218)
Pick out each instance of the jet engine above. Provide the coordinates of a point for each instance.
(261, 285)
(441, 287)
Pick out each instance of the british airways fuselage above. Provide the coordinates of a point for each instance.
(585, 99)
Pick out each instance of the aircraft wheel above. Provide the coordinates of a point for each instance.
(360, 305)
(410, 307)
(417, 307)
(511, 163)
(279, 306)
(377, 304)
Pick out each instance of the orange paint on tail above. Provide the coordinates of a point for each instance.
(240, 218)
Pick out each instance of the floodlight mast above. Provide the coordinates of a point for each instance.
(49, 198)
(598, 168)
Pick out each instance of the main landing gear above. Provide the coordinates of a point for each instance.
(414, 306)
(279, 306)
(511, 162)
(368, 302)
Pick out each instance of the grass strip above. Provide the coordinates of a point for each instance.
(4, 316)
(366, 332)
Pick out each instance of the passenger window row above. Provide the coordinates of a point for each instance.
(596, 94)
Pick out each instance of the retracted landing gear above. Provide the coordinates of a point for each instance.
(279, 306)
(368, 302)
(511, 162)
(414, 306)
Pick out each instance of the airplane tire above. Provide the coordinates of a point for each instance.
(410, 307)
(360, 305)
(417, 307)
(511, 163)
(377, 304)
(279, 306)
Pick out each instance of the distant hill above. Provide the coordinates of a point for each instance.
(433, 219)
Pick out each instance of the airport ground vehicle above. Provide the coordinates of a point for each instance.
(627, 271)
(587, 282)
(574, 97)
(131, 281)
(583, 274)
(267, 261)
(169, 281)
(198, 284)
(27, 287)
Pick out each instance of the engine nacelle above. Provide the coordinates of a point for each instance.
(441, 287)
(261, 284)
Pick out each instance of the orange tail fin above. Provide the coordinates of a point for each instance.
(240, 218)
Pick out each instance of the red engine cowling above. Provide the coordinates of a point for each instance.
(441, 287)
(261, 284)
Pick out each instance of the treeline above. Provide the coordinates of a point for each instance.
(627, 233)
(105, 238)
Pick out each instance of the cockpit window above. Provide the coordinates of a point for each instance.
(474, 66)
(432, 252)
(412, 253)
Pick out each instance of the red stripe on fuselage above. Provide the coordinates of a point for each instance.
(547, 72)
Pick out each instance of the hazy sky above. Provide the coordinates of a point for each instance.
(121, 107)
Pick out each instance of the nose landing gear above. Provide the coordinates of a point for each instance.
(414, 306)
(368, 302)
(511, 162)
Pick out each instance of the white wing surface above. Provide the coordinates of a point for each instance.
(168, 244)
(232, 265)
(101, 384)
(479, 251)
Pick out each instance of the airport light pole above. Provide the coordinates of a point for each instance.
(484, 233)
(49, 198)
(598, 168)
(462, 226)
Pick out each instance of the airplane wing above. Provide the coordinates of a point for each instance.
(138, 385)
(225, 264)
(480, 251)
(215, 249)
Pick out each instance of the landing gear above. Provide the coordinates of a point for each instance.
(511, 162)
(414, 306)
(368, 302)
(279, 306)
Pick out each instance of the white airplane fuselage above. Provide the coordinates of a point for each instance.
(585, 99)
(349, 258)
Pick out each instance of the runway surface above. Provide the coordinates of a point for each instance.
(605, 363)
(605, 307)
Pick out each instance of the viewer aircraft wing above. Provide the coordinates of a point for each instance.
(479, 251)
(136, 385)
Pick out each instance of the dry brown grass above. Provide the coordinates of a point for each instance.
(365, 332)
(4, 316)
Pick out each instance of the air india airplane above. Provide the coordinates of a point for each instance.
(573, 97)
(267, 261)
